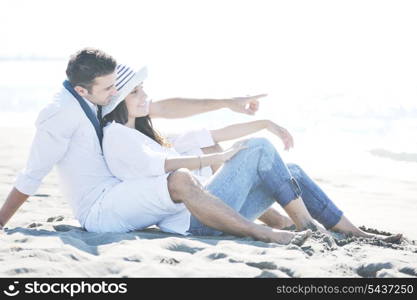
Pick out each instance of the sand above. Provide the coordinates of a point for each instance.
(44, 240)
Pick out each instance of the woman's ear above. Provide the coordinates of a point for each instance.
(81, 90)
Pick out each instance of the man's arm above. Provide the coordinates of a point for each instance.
(12, 204)
(55, 127)
(183, 107)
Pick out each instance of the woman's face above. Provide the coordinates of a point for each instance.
(137, 102)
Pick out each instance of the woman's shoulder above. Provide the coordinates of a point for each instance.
(115, 128)
(115, 135)
(117, 131)
(112, 125)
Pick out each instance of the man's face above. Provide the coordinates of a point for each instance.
(102, 90)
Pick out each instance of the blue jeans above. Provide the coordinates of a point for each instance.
(252, 180)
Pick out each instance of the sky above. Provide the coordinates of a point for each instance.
(347, 65)
(318, 43)
(295, 51)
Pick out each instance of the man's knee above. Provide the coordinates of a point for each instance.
(180, 183)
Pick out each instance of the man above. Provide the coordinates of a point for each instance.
(69, 136)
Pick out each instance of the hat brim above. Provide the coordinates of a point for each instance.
(136, 79)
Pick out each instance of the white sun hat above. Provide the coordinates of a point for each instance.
(127, 79)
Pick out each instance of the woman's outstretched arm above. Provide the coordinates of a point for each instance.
(235, 131)
(242, 129)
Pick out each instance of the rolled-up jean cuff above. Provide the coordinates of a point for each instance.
(330, 215)
(289, 191)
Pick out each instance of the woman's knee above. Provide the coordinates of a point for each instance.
(294, 168)
(296, 171)
(259, 142)
(180, 182)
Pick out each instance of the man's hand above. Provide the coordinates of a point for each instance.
(282, 133)
(247, 105)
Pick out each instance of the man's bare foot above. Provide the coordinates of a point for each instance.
(274, 219)
(301, 237)
(286, 237)
(283, 223)
(315, 228)
(290, 228)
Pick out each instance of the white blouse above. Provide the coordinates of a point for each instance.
(131, 154)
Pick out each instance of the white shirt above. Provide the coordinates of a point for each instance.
(131, 154)
(190, 143)
(66, 138)
(91, 105)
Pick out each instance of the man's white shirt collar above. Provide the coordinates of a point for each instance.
(91, 105)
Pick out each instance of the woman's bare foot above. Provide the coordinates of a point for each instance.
(394, 238)
(346, 227)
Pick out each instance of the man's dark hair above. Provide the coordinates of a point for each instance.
(87, 64)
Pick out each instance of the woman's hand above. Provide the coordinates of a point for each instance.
(229, 153)
(282, 133)
(248, 105)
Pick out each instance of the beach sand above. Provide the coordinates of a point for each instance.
(44, 240)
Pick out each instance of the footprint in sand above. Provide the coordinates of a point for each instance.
(63, 228)
(57, 218)
(169, 261)
(34, 225)
(268, 265)
(217, 255)
(370, 270)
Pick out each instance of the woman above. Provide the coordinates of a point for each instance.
(250, 184)
(200, 141)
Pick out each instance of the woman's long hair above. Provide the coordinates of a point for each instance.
(143, 124)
